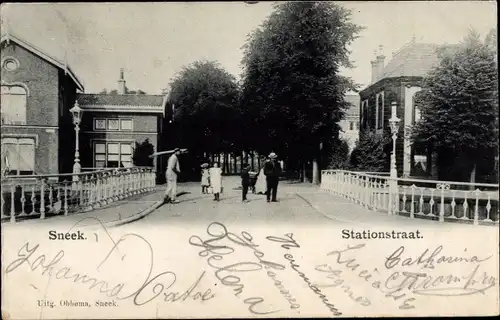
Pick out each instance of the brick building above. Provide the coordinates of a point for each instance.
(350, 124)
(112, 123)
(37, 131)
(399, 81)
(37, 91)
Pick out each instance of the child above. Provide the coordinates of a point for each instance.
(216, 181)
(245, 181)
(205, 178)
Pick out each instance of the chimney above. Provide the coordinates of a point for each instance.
(380, 62)
(121, 83)
(374, 71)
(380, 66)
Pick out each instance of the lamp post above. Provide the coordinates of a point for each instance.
(76, 112)
(394, 123)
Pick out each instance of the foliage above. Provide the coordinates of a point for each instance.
(459, 105)
(338, 157)
(291, 80)
(142, 151)
(372, 152)
(205, 97)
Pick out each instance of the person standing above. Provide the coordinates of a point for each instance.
(272, 170)
(173, 170)
(205, 178)
(260, 185)
(216, 181)
(245, 181)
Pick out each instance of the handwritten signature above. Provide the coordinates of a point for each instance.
(214, 250)
(149, 290)
(289, 243)
(428, 260)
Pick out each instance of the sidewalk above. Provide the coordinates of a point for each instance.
(114, 214)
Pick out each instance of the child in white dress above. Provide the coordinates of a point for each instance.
(216, 181)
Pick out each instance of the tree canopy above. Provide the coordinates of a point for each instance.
(205, 97)
(292, 92)
(459, 104)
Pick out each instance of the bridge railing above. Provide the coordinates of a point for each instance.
(476, 203)
(40, 196)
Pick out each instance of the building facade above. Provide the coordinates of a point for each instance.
(350, 124)
(37, 130)
(37, 91)
(399, 81)
(113, 123)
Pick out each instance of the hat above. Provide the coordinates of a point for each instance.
(272, 155)
(177, 149)
(204, 165)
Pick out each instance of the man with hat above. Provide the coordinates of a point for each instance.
(272, 170)
(172, 171)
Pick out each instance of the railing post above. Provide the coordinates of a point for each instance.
(65, 186)
(42, 198)
(476, 207)
(12, 203)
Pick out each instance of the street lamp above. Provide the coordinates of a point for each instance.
(77, 113)
(394, 123)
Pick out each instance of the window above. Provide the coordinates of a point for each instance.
(13, 105)
(10, 64)
(100, 124)
(113, 124)
(351, 125)
(112, 154)
(380, 111)
(18, 156)
(126, 124)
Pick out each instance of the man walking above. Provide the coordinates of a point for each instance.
(272, 170)
(172, 171)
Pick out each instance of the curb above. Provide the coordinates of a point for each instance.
(136, 216)
(139, 215)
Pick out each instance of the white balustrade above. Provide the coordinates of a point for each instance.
(442, 201)
(45, 196)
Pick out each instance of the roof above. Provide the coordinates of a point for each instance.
(133, 100)
(413, 60)
(44, 55)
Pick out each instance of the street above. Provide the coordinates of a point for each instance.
(300, 204)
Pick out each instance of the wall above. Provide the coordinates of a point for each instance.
(41, 79)
(144, 126)
(394, 91)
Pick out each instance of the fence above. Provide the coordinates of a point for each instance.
(475, 203)
(25, 197)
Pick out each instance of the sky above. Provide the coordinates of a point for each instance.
(153, 41)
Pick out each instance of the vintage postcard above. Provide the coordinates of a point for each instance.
(249, 159)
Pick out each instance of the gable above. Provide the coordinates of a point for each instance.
(8, 39)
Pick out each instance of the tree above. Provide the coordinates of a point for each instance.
(372, 152)
(104, 91)
(338, 157)
(205, 97)
(114, 92)
(142, 151)
(459, 107)
(291, 81)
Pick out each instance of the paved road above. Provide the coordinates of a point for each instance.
(299, 204)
